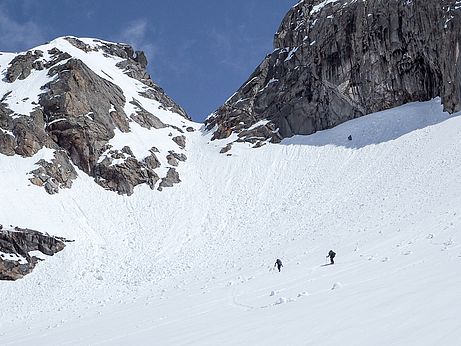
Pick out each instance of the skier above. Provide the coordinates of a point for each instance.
(332, 255)
(278, 264)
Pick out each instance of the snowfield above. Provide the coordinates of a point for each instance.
(193, 264)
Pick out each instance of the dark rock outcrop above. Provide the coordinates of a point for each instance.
(123, 177)
(7, 139)
(22, 135)
(56, 57)
(144, 118)
(54, 175)
(180, 140)
(80, 44)
(76, 108)
(152, 161)
(21, 66)
(174, 158)
(338, 60)
(15, 247)
(172, 177)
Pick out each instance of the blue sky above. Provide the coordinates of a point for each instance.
(199, 51)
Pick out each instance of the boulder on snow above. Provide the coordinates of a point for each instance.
(180, 140)
(226, 148)
(337, 285)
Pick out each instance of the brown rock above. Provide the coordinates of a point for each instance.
(180, 140)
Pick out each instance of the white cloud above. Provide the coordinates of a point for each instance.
(17, 36)
(136, 35)
(135, 31)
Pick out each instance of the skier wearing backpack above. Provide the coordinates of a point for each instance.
(278, 264)
(332, 255)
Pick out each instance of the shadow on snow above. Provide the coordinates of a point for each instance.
(378, 127)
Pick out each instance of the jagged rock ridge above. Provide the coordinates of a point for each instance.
(16, 246)
(82, 94)
(336, 60)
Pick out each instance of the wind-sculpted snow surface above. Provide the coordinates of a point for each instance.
(94, 105)
(194, 264)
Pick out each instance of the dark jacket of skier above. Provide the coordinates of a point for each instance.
(332, 255)
(278, 264)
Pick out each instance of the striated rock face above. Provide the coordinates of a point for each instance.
(80, 108)
(336, 60)
(77, 113)
(15, 247)
(21, 135)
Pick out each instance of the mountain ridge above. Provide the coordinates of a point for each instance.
(81, 94)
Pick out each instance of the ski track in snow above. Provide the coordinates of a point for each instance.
(193, 264)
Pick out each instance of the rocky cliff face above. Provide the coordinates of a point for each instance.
(335, 60)
(17, 246)
(85, 99)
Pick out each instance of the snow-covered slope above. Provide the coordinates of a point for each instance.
(192, 265)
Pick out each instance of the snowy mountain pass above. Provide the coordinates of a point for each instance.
(194, 264)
